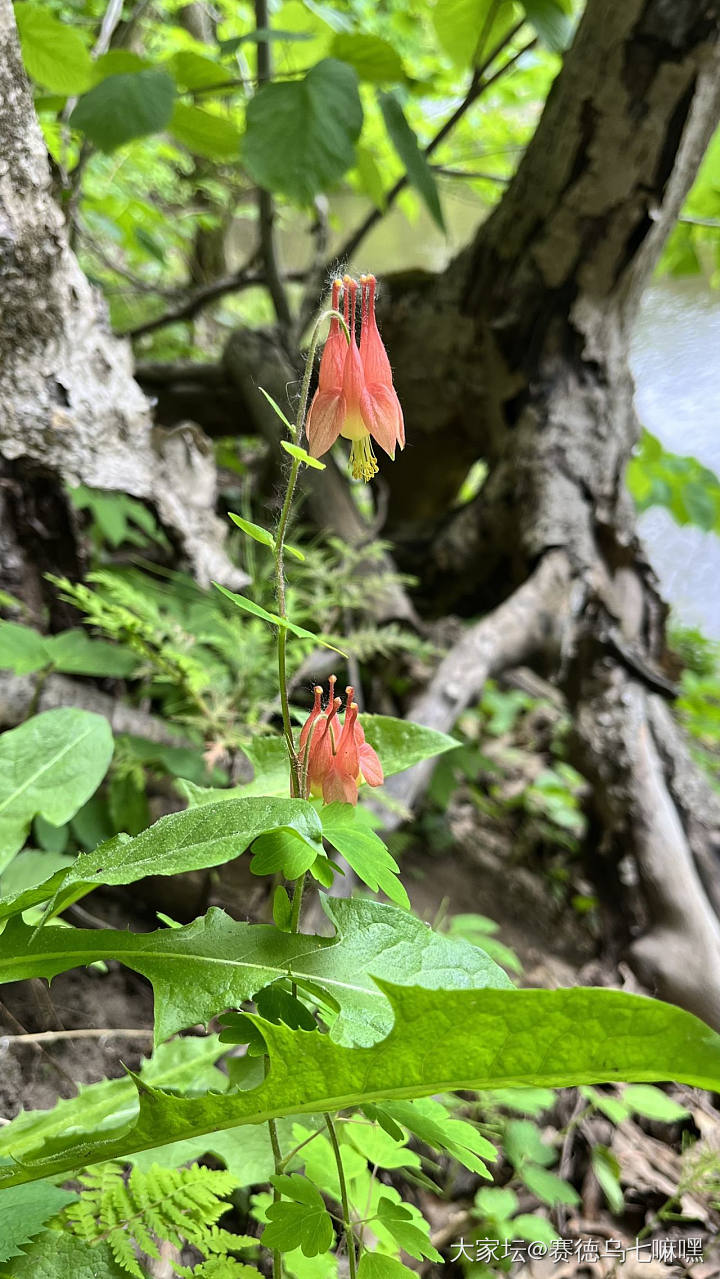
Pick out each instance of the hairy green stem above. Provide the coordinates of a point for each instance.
(347, 1223)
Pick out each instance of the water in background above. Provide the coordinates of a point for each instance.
(676, 363)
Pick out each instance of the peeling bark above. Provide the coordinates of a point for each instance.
(70, 409)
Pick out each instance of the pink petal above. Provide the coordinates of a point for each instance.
(325, 420)
(370, 766)
(339, 787)
(382, 416)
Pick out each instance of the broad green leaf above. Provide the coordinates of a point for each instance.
(194, 840)
(302, 455)
(249, 606)
(30, 868)
(53, 53)
(283, 852)
(59, 1254)
(471, 1039)
(25, 1209)
(22, 649)
(552, 19)
(216, 962)
(548, 1187)
(469, 30)
(405, 142)
(117, 62)
(375, 60)
(192, 71)
(204, 133)
(349, 833)
(255, 531)
(123, 107)
(652, 1103)
(185, 1065)
(73, 652)
(301, 134)
(299, 1218)
(686, 488)
(50, 765)
(400, 743)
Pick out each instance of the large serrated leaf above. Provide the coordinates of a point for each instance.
(49, 765)
(216, 963)
(25, 1209)
(441, 1041)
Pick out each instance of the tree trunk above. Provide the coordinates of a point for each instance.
(70, 409)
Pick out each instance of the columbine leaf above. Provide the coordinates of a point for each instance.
(471, 1039)
(49, 765)
(300, 1219)
(429, 1120)
(346, 828)
(397, 1218)
(249, 606)
(255, 531)
(302, 456)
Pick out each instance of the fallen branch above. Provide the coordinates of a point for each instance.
(19, 698)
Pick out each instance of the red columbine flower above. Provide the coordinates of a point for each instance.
(337, 762)
(355, 396)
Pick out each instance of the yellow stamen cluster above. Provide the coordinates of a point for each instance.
(362, 459)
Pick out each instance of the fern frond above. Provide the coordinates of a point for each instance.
(180, 1205)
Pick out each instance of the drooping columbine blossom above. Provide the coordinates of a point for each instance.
(337, 761)
(355, 396)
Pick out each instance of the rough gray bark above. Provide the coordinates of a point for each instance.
(70, 410)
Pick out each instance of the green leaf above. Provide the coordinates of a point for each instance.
(282, 909)
(276, 409)
(652, 1103)
(183, 1065)
(54, 55)
(123, 107)
(49, 765)
(613, 1107)
(471, 1039)
(255, 531)
(249, 606)
(345, 828)
(193, 840)
(396, 1218)
(548, 1187)
(302, 456)
(25, 1211)
(496, 1202)
(418, 170)
(300, 1219)
(31, 868)
(552, 19)
(204, 133)
(58, 1254)
(374, 1265)
(400, 743)
(217, 962)
(118, 61)
(192, 71)
(282, 851)
(607, 1170)
(375, 60)
(301, 134)
(429, 1120)
(468, 30)
(23, 650)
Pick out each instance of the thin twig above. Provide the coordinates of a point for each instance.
(49, 1036)
(266, 204)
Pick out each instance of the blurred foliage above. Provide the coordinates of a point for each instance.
(686, 488)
